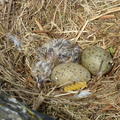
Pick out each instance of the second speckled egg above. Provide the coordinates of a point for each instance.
(97, 60)
(69, 73)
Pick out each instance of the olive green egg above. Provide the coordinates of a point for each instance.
(97, 60)
(66, 73)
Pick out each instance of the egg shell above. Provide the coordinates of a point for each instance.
(97, 60)
(69, 73)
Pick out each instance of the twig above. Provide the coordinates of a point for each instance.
(107, 16)
(9, 10)
(81, 31)
(39, 25)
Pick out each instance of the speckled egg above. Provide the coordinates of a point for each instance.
(69, 72)
(97, 60)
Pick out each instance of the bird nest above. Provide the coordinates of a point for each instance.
(35, 22)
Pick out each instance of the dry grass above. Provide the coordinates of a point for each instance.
(87, 22)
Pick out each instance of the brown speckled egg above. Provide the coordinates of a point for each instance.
(69, 72)
(97, 60)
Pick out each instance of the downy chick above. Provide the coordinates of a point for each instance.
(53, 53)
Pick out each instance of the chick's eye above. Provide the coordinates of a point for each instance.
(62, 55)
(50, 50)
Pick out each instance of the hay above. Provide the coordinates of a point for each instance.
(34, 22)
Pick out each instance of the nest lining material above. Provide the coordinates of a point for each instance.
(35, 22)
